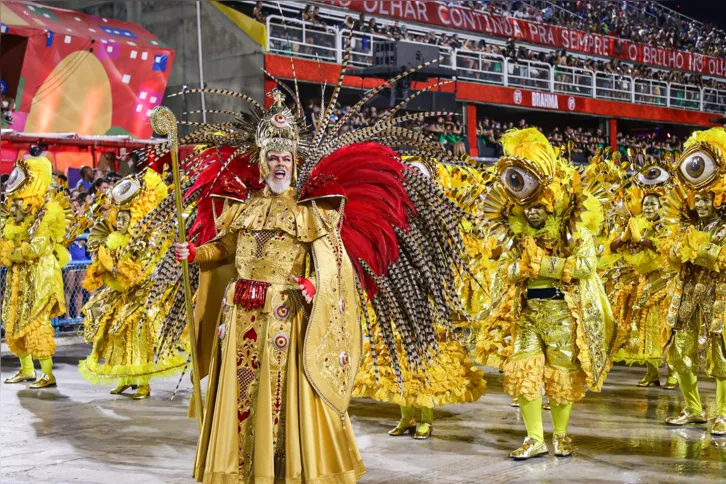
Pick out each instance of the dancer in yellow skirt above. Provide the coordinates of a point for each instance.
(641, 302)
(31, 249)
(452, 378)
(121, 320)
(548, 302)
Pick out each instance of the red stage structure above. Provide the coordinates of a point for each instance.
(72, 72)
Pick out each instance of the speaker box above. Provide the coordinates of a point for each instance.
(427, 101)
(403, 54)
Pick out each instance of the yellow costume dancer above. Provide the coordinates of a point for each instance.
(121, 321)
(290, 238)
(547, 298)
(642, 304)
(697, 307)
(451, 379)
(31, 249)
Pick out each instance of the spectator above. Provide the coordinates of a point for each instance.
(86, 181)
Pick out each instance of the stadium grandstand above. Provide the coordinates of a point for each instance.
(623, 74)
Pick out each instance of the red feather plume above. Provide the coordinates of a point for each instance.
(370, 177)
(220, 178)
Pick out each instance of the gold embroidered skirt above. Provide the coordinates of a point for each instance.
(645, 320)
(545, 354)
(268, 425)
(123, 352)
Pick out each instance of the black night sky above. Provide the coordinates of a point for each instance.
(707, 11)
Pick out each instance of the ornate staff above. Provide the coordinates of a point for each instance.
(163, 122)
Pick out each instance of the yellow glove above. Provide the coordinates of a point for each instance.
(635, 234)
(16, 255)
(626, 234)
(105, 260)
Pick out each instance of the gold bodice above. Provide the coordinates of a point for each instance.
(269, 255)
(270, 237)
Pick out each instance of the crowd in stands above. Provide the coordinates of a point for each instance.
(614, 82)
(644, 22)
(451, 133)
(585, 142)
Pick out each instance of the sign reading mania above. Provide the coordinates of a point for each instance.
(435, 13)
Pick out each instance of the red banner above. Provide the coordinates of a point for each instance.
(435, 13)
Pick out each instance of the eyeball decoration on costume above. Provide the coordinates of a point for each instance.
(279, 120)
(344, 359)
(282, 312)
(16, 179)
(125, 190)
(520, 183)
(699, 166)
(422, 168)
(281, 341)
(653, 175)
(341, 306)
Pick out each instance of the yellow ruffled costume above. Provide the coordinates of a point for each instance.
(33, 253)
(550, 323)
(120, 322)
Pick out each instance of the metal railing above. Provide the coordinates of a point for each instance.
(684, 97)
(328, 44)
(614, 86)
(480, 67)
(648, 91)
(363, 48)
(530, 74)
(573, 80)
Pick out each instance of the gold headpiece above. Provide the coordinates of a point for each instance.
(30, 180)
(138, 194)
(276, 131)
(702, 165)
(531, 170)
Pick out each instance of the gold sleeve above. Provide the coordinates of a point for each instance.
(578, 266)
(217, 250)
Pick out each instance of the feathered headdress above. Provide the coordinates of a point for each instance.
(139, 194)
(30, 180)
(702, 165)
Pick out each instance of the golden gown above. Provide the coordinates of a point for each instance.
(280, 384)
(118, 323)
(641, 302)
(34, 290)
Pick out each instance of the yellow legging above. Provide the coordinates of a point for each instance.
(27, 367)
(689, 390)
(409, 413)
(532, 415)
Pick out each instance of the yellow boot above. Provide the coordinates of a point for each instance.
(144, 391)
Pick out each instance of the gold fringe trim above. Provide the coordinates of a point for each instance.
(135, 374)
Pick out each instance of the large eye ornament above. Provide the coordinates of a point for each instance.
(17, 177)
(698, 169)
(653, 175)
(520, 183)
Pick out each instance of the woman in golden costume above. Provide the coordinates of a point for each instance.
(697, 307)
(640, 302)
(452, 378)
(122, 319)
(31, 249)
(549, 307)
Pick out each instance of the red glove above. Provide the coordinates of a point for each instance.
(307, 288)
(192, 252)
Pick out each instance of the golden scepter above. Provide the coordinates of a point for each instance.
(163, 122)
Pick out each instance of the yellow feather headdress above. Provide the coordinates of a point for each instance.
(702, 165)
